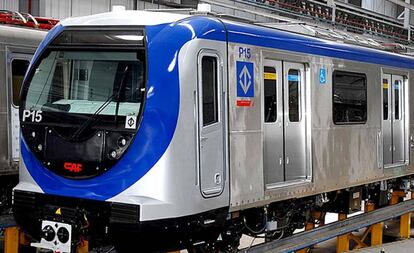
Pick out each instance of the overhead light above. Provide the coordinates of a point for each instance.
(203, 7)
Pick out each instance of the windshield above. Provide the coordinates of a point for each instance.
(85, 95)
(84, 82)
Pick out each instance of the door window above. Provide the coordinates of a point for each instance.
(18, 69)
(209, 89)
(270, 103)
(397, 98)
(385, 87)
(294, 82)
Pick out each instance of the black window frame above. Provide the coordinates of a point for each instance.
(298, 92)
(385, 99)
(398, 107)
(14, 92)
(216, 77)
(275, 86)
(364, 75)
(74, 37)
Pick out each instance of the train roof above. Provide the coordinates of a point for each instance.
(16, 35)
(127, 17)
(249, 34)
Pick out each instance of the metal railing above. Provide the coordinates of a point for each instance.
(26, 20)
(339, 15)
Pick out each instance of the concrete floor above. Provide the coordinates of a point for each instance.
(406, 246)
(391, 236)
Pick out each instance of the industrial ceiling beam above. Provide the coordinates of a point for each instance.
(402, 3)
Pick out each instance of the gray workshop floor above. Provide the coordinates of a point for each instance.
(406, 246)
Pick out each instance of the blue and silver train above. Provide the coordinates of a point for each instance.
(166, 131)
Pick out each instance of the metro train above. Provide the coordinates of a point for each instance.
(18, 42)
(163, 131)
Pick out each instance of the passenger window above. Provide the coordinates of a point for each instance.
(349, 98)
(385, 84)
(397, 94)
(270, 103)
(18, 70)
(294, 83)
(209, 80)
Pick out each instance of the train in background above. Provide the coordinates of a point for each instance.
(163, 131)
(20, 34)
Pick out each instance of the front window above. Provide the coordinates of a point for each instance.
(82, 82)
(84, 98)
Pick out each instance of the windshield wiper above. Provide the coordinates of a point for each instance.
(93, 119)
(121, 87)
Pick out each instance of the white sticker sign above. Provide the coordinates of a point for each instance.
(131, 122)
(33, 116)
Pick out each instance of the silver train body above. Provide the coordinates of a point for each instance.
(258, 150)
(17, 46)
(319, 156)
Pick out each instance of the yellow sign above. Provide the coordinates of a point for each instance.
(385, 85)
(270, 76)
(58, 211)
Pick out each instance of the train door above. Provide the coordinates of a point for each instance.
(295, 143)
(273, 122)
(398, 126)
(17, 64)
(284, 122)
(387, 119)
(393, 124)
(211, 125)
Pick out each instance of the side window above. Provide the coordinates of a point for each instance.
(385, 91)
(18, 70)
(349, 98)
(209, 79)
(270, 103)
(397, 98)
(294, 86)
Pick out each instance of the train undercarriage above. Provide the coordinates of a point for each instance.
(214, 231)
(281, 219)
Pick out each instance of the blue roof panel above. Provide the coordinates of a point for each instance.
(277, 39)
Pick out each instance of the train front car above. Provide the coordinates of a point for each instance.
(107, 108)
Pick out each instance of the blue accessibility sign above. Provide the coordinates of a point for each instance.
(245, 79)
(322, 75)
